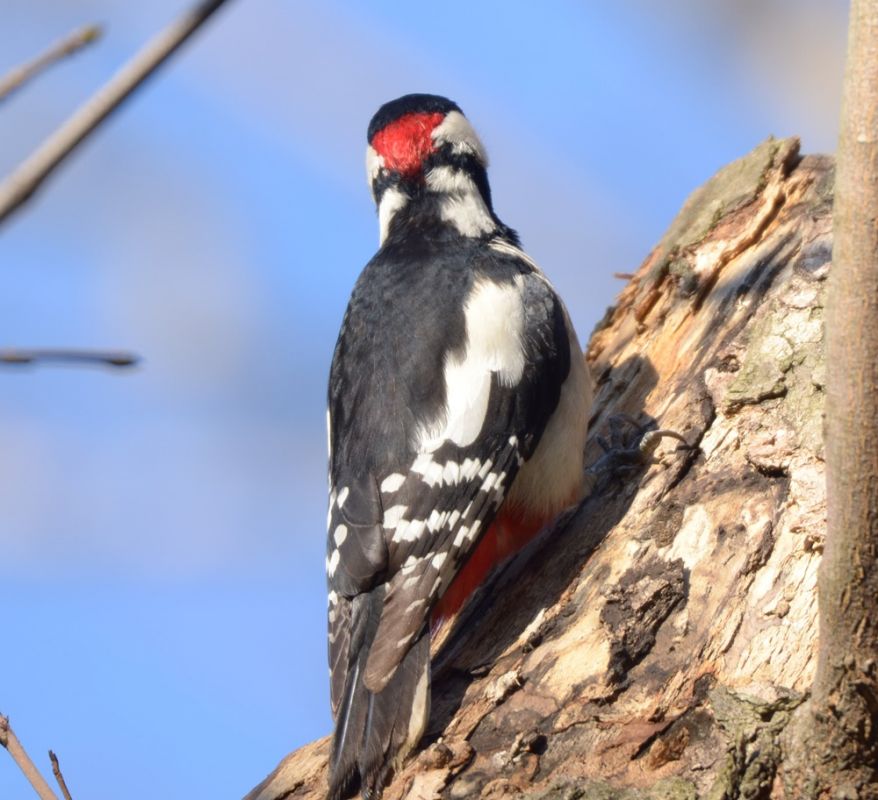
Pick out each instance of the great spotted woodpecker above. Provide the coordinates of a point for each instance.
(458, 406)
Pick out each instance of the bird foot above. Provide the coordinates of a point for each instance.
(629, 447)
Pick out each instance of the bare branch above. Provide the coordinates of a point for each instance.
(10, 741)
(56, 769)
(29, 176)
(102, 358)
(70, 44)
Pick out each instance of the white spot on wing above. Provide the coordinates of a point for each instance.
(469, 468)
(429, 469)
(342, 496)
(332, 563)
(462, 536)
(451, 473)
(410, 581)
(341, 533)
(392, 482)
(415, 605)
(436, 520)
(489, 482)
(393, 515)
(409, 531)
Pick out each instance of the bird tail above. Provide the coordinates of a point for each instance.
(374, 732)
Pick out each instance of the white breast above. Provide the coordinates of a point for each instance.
(552, 478)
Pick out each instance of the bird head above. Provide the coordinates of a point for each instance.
(422, 146)
(414, 135)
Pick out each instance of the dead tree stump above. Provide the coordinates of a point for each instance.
(654, 643)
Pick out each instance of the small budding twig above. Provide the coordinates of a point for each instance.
(70, 44)
(56, 769)
(29, 176)
(9, 740)
(100, 358)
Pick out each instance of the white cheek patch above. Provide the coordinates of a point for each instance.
(391, 202)
(450, 180)
(494, 346)
(456, 131)
(462, 204)
(374, 162)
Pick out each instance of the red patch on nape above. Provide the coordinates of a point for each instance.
(406, 142)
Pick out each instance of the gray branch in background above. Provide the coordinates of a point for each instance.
(58, 355)
(29, 176)
(67, 46)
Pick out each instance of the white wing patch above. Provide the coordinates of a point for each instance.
(494, 345)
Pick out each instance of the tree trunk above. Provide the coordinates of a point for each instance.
(656, 641)
(834, 741)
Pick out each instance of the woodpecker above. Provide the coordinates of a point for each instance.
(458, 407)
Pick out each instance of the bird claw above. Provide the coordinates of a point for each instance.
(628, 450)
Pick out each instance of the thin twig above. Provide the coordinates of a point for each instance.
(10, 741)
(102, 358)
(27, 178)
(70, 44)
(56, 769)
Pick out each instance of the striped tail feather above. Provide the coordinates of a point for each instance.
(374, 732)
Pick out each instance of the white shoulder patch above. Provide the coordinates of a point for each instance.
(494, 345)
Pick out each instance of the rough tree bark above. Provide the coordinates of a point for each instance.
(656, 641)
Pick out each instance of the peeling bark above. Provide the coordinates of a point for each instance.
(655, 641)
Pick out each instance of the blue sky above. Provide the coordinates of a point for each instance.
(161, 530)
